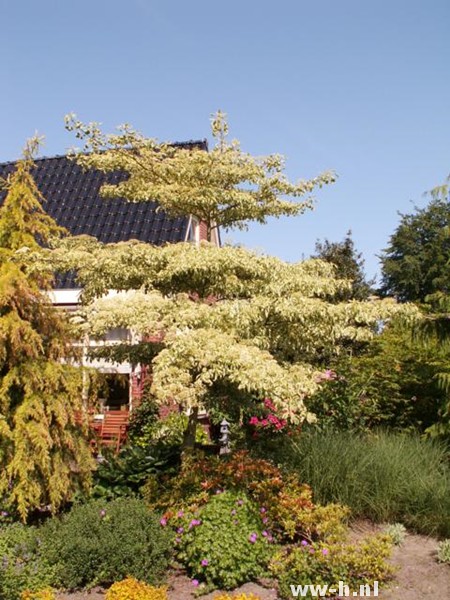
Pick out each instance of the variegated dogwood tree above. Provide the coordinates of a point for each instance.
(212, 320)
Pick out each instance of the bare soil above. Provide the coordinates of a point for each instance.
(419, 576)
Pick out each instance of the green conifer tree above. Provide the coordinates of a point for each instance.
(44, 456)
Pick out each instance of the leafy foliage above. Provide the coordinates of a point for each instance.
(22, 567)
(443, 553)
(98, 543)
(44, 454)
(397, 533)
(328, 563)
(395, 383)
(125, 474)
(224, 543)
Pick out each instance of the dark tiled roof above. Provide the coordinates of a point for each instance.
(72, 198)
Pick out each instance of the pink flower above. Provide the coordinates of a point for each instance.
(180, 529)
(102, 512)
(195, 582)
(325, 551)
(264, 422)
(163, 522)
(254, 421)
(180, 514)
(194, 523)
(205, 562)
(304, 543)
(262, 510)
(265, 533)
(252, 538)
(265, 520)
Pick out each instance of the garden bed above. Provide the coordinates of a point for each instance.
(419, 575)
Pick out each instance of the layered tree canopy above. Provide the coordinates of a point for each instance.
(224, 187)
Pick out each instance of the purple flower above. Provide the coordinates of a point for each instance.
(304, 543)
(325, 551)
(180, 513)
(265, 533)
(180, 529)
(262, 510)
(163, 522)
(205, 562)
(195, 582)
(194, 523)
(252, 538)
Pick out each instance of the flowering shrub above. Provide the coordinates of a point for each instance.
(224, 543)
(267, 420)
(328, 563)
(287, 503)
(45, 594)
(132, 589)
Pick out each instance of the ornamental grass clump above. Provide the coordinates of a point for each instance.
(224, 543)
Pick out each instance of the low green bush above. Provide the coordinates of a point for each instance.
(21, 565)
(99, 543)
(225, 543)
(443, 552)
(383, 476)
(328, 563)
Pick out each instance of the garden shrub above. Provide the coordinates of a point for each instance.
(327, 564)
(132, 589)
(383, 476)
(225, 542)
(22, 567)
(99, 543)
(287, 503)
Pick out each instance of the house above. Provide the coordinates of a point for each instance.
(72, 198)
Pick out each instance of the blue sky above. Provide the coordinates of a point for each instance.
(358, 86)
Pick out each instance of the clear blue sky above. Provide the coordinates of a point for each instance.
(359, 86)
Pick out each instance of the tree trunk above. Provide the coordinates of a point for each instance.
(191, 429)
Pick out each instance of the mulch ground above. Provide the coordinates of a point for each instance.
(419, 576)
